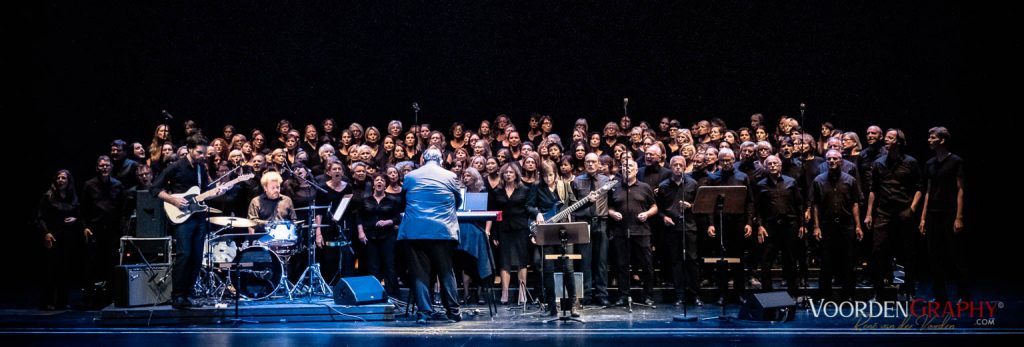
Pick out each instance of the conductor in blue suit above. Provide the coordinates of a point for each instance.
(431, 230)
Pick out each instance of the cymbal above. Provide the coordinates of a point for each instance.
(236, 222)
(313, 207)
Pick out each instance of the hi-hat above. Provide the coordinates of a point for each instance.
(236, 222)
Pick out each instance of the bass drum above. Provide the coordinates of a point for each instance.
(259, 272)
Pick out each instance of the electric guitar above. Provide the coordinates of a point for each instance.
(195, 201)
(564, 214)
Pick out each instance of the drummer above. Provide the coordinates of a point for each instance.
(271, 205)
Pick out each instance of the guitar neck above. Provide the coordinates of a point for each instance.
(209, 193)
(564, 213)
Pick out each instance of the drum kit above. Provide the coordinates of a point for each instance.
(253, 266)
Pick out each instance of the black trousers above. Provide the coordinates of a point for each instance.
(622, 248)
(946, 255)
(595, 260)
(188, 241)
(380, 255)
(429, 259)
(557, 266)
(63, 267)
(781, 237)
(839, 241)
(894, 237)
(685, 270)
(734, 242)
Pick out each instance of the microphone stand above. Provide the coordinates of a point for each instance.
(686, 258)
(803, 106)
(313, 269)
(416, 111)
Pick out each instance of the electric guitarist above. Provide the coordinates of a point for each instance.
(178, 178)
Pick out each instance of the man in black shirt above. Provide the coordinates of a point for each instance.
(653, 173)
(122, 167)
(942, 217)
(630, 205)
(895, 191)
(675, 198)
(737, 227)
(101, 207)
(836, 198)
(779, 209)
(595, 254)
(188, 236)
(868, 155)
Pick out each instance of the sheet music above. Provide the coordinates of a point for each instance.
(341, 207)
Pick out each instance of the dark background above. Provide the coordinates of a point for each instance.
(92, 73)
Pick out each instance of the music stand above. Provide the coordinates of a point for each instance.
(562, 234)
(720, 200)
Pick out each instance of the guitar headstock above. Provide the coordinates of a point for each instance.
(604, 189)
(608, 186)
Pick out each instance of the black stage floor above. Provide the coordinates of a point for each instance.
(323, 324)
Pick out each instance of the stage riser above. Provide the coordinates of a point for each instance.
(256, 311)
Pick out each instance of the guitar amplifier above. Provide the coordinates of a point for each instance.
(145, 250)
(140, 285)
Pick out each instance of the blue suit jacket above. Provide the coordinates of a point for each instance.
(431, 195)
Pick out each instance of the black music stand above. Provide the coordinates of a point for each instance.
(562, 234)
(720, 200)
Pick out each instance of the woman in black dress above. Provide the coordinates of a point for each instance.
(336, 190)
(378, 230)
(511, 197)
(62, 236)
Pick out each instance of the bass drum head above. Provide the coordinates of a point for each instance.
(259, 272)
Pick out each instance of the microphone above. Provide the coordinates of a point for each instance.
(416, 106)
(166, 114)
(803, 106)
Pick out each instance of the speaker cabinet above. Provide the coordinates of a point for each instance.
(361, 290)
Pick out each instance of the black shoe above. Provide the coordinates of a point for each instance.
(421, 318)
(602, 302)
(697, 302)
(619, 302)
(552, 312)
(438, 316)
(649, 302)
(574, 314)
(679, 302)
(454, 317)
(181, 303)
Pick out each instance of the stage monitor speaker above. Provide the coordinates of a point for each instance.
(361, 290)
(770, 306)
(141, 285)
(150, 220)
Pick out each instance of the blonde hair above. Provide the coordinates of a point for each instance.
(270, 176)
